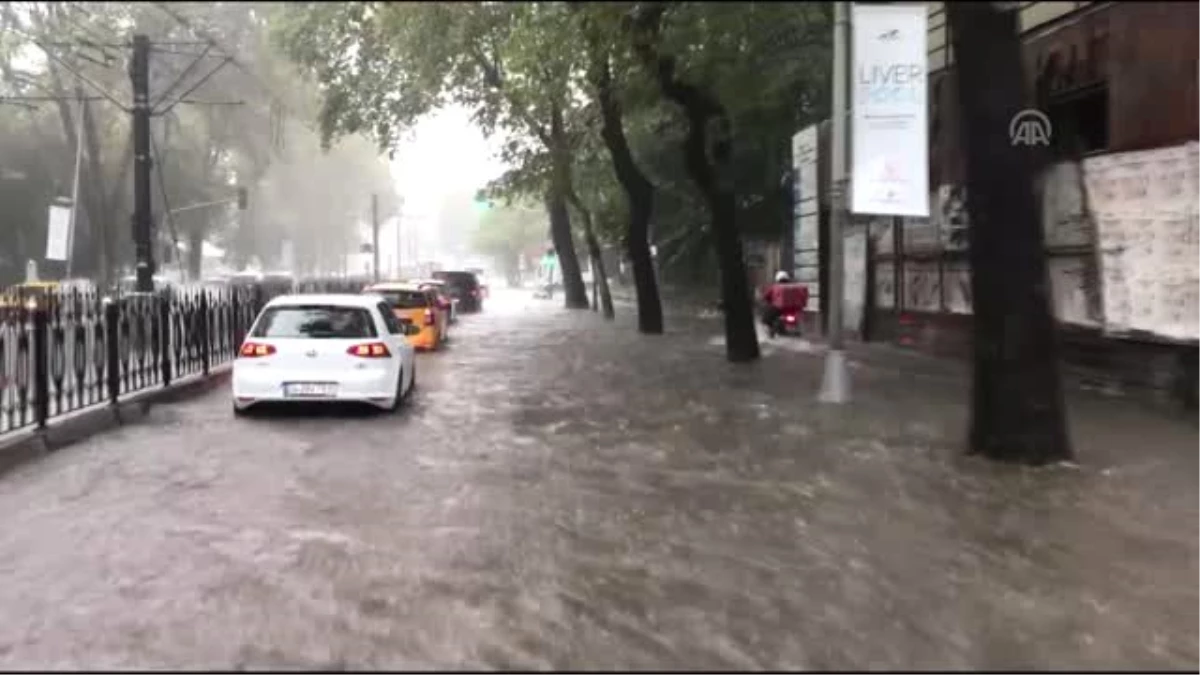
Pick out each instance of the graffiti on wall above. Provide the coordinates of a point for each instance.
(922, 286)
(956, 287)
(1063, 220)
(1069, 290)
(885, 285)
(855, 266)
(951, 217)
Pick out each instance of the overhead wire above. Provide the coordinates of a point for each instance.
(162, 187)
(194, 87)
(186, 71)
(276, 100)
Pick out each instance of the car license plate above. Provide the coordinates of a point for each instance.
(309, 390)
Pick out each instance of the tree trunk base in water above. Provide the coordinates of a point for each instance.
(1017, 407)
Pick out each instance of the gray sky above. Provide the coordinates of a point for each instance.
(447, 153)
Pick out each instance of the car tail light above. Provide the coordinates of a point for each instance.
(790, 318)
(254, 349)
(428, 317)
(373, 350)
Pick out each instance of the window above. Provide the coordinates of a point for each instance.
(405, 299)
(1080, 117)
(315, 322)
(389, 319)
(460, 280)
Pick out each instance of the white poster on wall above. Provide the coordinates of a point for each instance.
(807, 214)
(889, 129)
(58, 232)
(855, 268)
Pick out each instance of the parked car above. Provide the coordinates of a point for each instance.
(465, 287)
(447, 302)
(330, 348)
(418, 305)
(481, 277)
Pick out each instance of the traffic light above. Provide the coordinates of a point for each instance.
(242, 198)
(482, 203)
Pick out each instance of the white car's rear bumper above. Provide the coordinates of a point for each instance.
(252, 385)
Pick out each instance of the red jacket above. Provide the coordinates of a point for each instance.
(786, 296)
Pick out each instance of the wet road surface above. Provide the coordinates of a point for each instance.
(562, 493)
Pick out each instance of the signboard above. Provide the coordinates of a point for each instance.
(58, 232)
(806, 218)
(889, 128)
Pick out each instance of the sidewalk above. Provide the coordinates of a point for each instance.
(1089, 564)
(701, 304)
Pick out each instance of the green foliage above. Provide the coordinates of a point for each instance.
(382, 66)
(203, 150)
(504, 233)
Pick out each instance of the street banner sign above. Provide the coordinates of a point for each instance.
(890, 132)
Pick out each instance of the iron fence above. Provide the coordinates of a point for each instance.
(62, 351)
(65, 351)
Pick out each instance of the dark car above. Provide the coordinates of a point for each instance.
(464, 286)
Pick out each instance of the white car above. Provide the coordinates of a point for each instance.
(325, 348)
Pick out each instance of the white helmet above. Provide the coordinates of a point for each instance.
(782, 276)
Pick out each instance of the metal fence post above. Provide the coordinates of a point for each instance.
(164, 323)
(235, 319)
(205, 334)
(41, 366)
(112, 320)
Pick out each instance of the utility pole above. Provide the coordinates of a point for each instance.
(71, 231)
(835, 386)
(139, 73)
(399, 241)
(375, 232)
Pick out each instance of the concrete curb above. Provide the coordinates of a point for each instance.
(31, 444)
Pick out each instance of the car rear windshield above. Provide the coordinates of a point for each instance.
(317, 322)
(458, 279)
(405, 299)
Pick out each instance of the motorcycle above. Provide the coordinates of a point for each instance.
(786, 323)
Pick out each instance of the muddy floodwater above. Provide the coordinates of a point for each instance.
(563, 493)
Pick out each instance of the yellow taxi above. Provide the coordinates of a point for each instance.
(412, 303)
(14, 296)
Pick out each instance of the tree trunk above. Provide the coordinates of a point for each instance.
(195, 253)
(599, 276)
(741, 341)
(560, 216)
(1017, 410)
(638, 190)
(564, 248)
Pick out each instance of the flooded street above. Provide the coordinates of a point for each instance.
(564, 493)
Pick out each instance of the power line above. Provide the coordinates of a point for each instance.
(186, 71)
(194, 87)
(208, 37)
(162, 186)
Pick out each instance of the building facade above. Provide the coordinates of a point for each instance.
(1118, 81)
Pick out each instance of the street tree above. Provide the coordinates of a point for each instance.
(507, 232)
(599, 26)
(744, 77)
(1017, 408)
(384, 65)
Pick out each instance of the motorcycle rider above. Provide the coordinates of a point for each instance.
(773, 301)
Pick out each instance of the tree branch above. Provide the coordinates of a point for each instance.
(494, 78)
